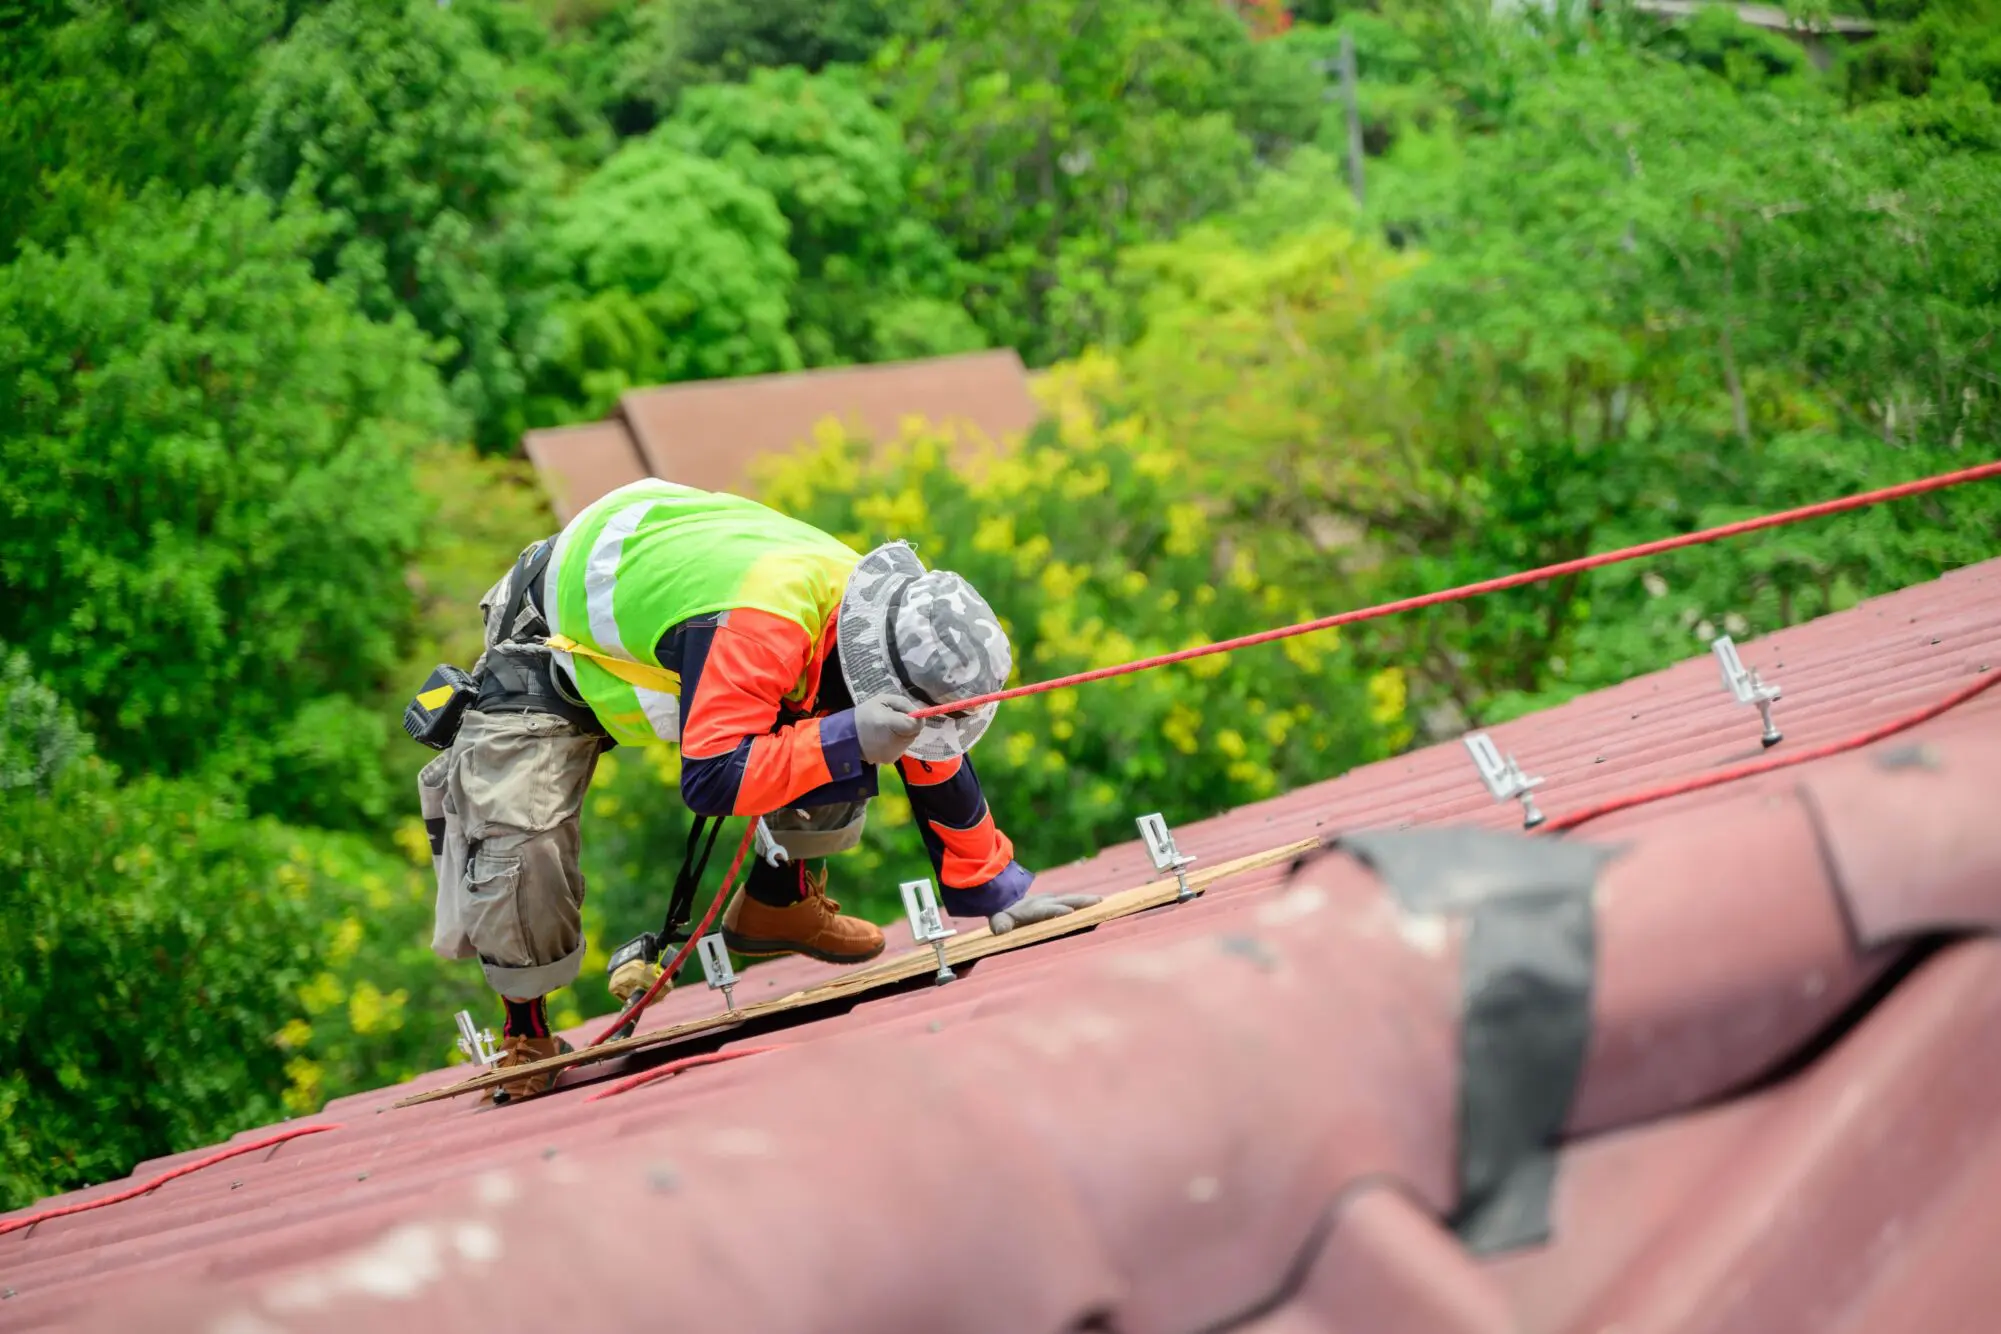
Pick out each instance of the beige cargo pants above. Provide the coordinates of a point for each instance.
(502, 806)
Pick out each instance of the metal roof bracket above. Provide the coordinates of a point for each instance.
(1744, 686)
(927, 925)
(1503, 777)
(1166, 857)
(476, 1043)
(716, 967)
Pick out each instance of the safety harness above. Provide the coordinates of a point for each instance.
(532, 681)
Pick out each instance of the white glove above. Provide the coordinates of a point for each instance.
(1037, 908)
(885, 728)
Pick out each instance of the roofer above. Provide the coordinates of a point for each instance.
(787, 668)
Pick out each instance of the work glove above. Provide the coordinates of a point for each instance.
(633, 976)
(885, 728)
(1037, 908)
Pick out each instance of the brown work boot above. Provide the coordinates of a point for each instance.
(525, 1051)
(813, 926)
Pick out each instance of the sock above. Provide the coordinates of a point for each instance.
(526, 1019)
(775, 886)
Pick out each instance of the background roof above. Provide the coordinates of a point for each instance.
(1240, 1112)
(707, 433)
(577, 464)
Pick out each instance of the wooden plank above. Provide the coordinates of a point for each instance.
(921, 962)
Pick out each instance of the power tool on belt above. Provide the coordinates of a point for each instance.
(432, 718)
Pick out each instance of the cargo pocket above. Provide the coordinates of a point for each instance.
(493, 902)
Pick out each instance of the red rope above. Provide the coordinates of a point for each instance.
(1463, 592)
(63, 1211)
(1751, 768)
(685, 1063)
(632, 1012)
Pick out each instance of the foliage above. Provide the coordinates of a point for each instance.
(1702, 308)
(1939, 75)
(677, 270)
(1048, 136)
(374, 1005)
(1716, 40)
(103, 99)
(874, 282)
(39, 737)
(208, 494)
(699, 43)
(129, 912)
(392, 117)
(560, 66)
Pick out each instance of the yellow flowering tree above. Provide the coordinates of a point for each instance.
(1095, 549)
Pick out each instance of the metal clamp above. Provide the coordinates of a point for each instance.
(767, 847)
(927, 924)
(716, 967)
(1744, 686)
(476, 1043)
(1166, 857)
(1503, 777)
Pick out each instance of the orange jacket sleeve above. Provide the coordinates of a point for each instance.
(736, 756)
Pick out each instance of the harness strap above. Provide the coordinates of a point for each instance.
(681, 904)
(527, 572)
(639, 674)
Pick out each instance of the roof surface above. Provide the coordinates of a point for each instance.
(707, 433)
(1243, 1112)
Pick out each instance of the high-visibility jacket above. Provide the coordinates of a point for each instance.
(653, 554)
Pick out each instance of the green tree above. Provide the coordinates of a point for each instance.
(103, 99)
(874, 282)
(677, 45)
(394, 119)
(1645, 303)
(39, 737)
(1938, 75)
(207, 497)
(1717, 40)
(675, 269)
(1050, 136)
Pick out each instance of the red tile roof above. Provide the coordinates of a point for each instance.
(708, 433)
(577, 464)
(1244, 1112)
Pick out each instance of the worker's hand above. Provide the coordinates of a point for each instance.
(633, 976)
(885, 728)
(1037, 908)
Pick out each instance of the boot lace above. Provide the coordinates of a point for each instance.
(813, 885)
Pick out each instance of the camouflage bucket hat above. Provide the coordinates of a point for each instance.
(926, 634)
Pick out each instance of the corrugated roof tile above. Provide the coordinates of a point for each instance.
(1243, 1112)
